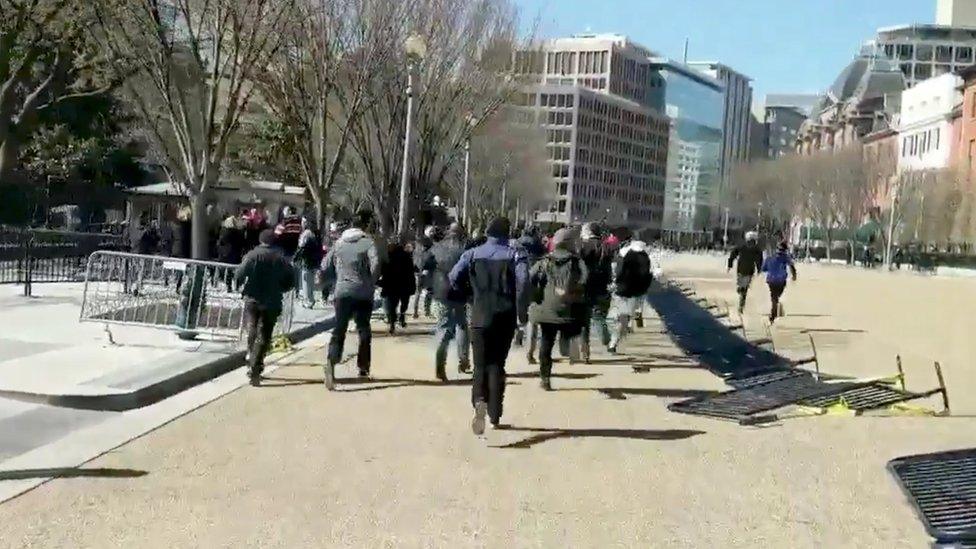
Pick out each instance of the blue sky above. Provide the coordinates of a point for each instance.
(786, 46)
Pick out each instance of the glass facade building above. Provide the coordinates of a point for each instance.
(695, 103)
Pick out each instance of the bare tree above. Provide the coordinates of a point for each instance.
(46, 60)
(469, 48)
(321, 82)
(194, 63)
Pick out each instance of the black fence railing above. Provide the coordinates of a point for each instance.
(33, 256)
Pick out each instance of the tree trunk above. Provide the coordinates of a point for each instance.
(200, 227)
(830, 244)
(9, 152)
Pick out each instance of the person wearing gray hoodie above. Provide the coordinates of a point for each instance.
(352, 268)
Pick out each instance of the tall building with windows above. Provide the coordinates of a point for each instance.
(695, 103)
(607, 145)
(737, 123)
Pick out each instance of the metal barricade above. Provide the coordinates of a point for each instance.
(183, 295)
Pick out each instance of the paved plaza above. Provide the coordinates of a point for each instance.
(600, 462)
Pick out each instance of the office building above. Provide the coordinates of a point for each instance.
(695, 103)
(925, 129)
(607, 145)
(956, 13)
(738, 105)
(781, 127)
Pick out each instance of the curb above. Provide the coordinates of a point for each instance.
(160, 390)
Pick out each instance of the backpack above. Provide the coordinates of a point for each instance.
(566, 281)
(634, 278)
(311, 253)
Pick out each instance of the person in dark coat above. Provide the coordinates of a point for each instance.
(559, 283)
(264, 275)
(450, 306)
(398, 283)
(748, 260)
(421, 253)
(598, 258)
(532, 249)
(230, 245)
(494, 275)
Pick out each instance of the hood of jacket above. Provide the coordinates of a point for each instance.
(352, 235)
(633, 245)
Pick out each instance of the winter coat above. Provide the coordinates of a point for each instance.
(287, 233)
(230, 245)
(397, 278)
(421, 256)
(266, 274)
(598, 258)
(443, 257)
(750, 258)
(776, 267)
(352, 266)
(547, 276)
(494, 275)
(632, 270)
(309, 253)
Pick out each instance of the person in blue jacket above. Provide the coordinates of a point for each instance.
(494, 275)
(776, 267)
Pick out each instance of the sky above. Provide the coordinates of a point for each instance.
(785, 46)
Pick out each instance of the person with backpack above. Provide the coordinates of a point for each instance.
(632, 277)
(776, 267)
(750, 261)
(449, 305)
(598, 259)
(558, 283)
(265, 275)
(494, 274)
(351, 269)
(308, 257)
(530, 246)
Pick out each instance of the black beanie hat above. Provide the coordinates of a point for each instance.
(500, 227)
(267, 237)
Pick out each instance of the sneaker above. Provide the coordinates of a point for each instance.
(464, 368)
(546, 384)
(403, 321)
(392, 329)
(530, 358)
(363, 373)
(330, 375)
(254, 378)
(441, 372)
(612, 349)
(478, 423)
(496, 425)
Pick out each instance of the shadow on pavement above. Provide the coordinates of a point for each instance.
(555, 375)
(620, 393)
(288, 382)
(71, 472)
(546, 435)
(696, 331)
(360, 385)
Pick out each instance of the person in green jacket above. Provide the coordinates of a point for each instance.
(558, 282)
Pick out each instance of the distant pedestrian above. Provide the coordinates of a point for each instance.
(750, 259)
(265, 275)
(494, 274)
(308, 258)
(254, 223)
(421, 253)
(288, 231)
(632, 277)
(775, 268)
(398, 283)
(530, 246)
(230, 241)
(598, 258)
(449, 304)
(558, 283)
(353, 264)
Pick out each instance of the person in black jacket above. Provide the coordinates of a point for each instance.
(398, 283)
(750, 259)
(265, 274)
(450, 306)
(598, 258)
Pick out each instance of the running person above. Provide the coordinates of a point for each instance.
(776, 267)
(494, 274)
(750, 261)
(632, 277)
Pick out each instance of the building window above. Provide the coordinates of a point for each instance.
(906, 51)
(889, 51)
(938, 132)
(923, 71)
(943, 54)
(923, 52)
(964, 54)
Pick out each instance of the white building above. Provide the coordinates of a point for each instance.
(925, 127)
(956, 13)
(684, 172)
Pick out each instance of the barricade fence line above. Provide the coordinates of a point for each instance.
(180, 295)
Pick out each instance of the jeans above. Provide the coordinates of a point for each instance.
(548, 341)
(489, 347)
(308, 286)
(393, 302)
(452, 322)
(346, 309)
(598, 316)
(776, 290)
(742, 283)
(260, 322)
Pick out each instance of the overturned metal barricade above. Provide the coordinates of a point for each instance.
(182, 295)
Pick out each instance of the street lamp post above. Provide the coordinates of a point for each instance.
(725, 230)
(472, 122)
(759, 217)
(416, 49)
(891, 225)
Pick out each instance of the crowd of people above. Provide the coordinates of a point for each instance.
(486, 291)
